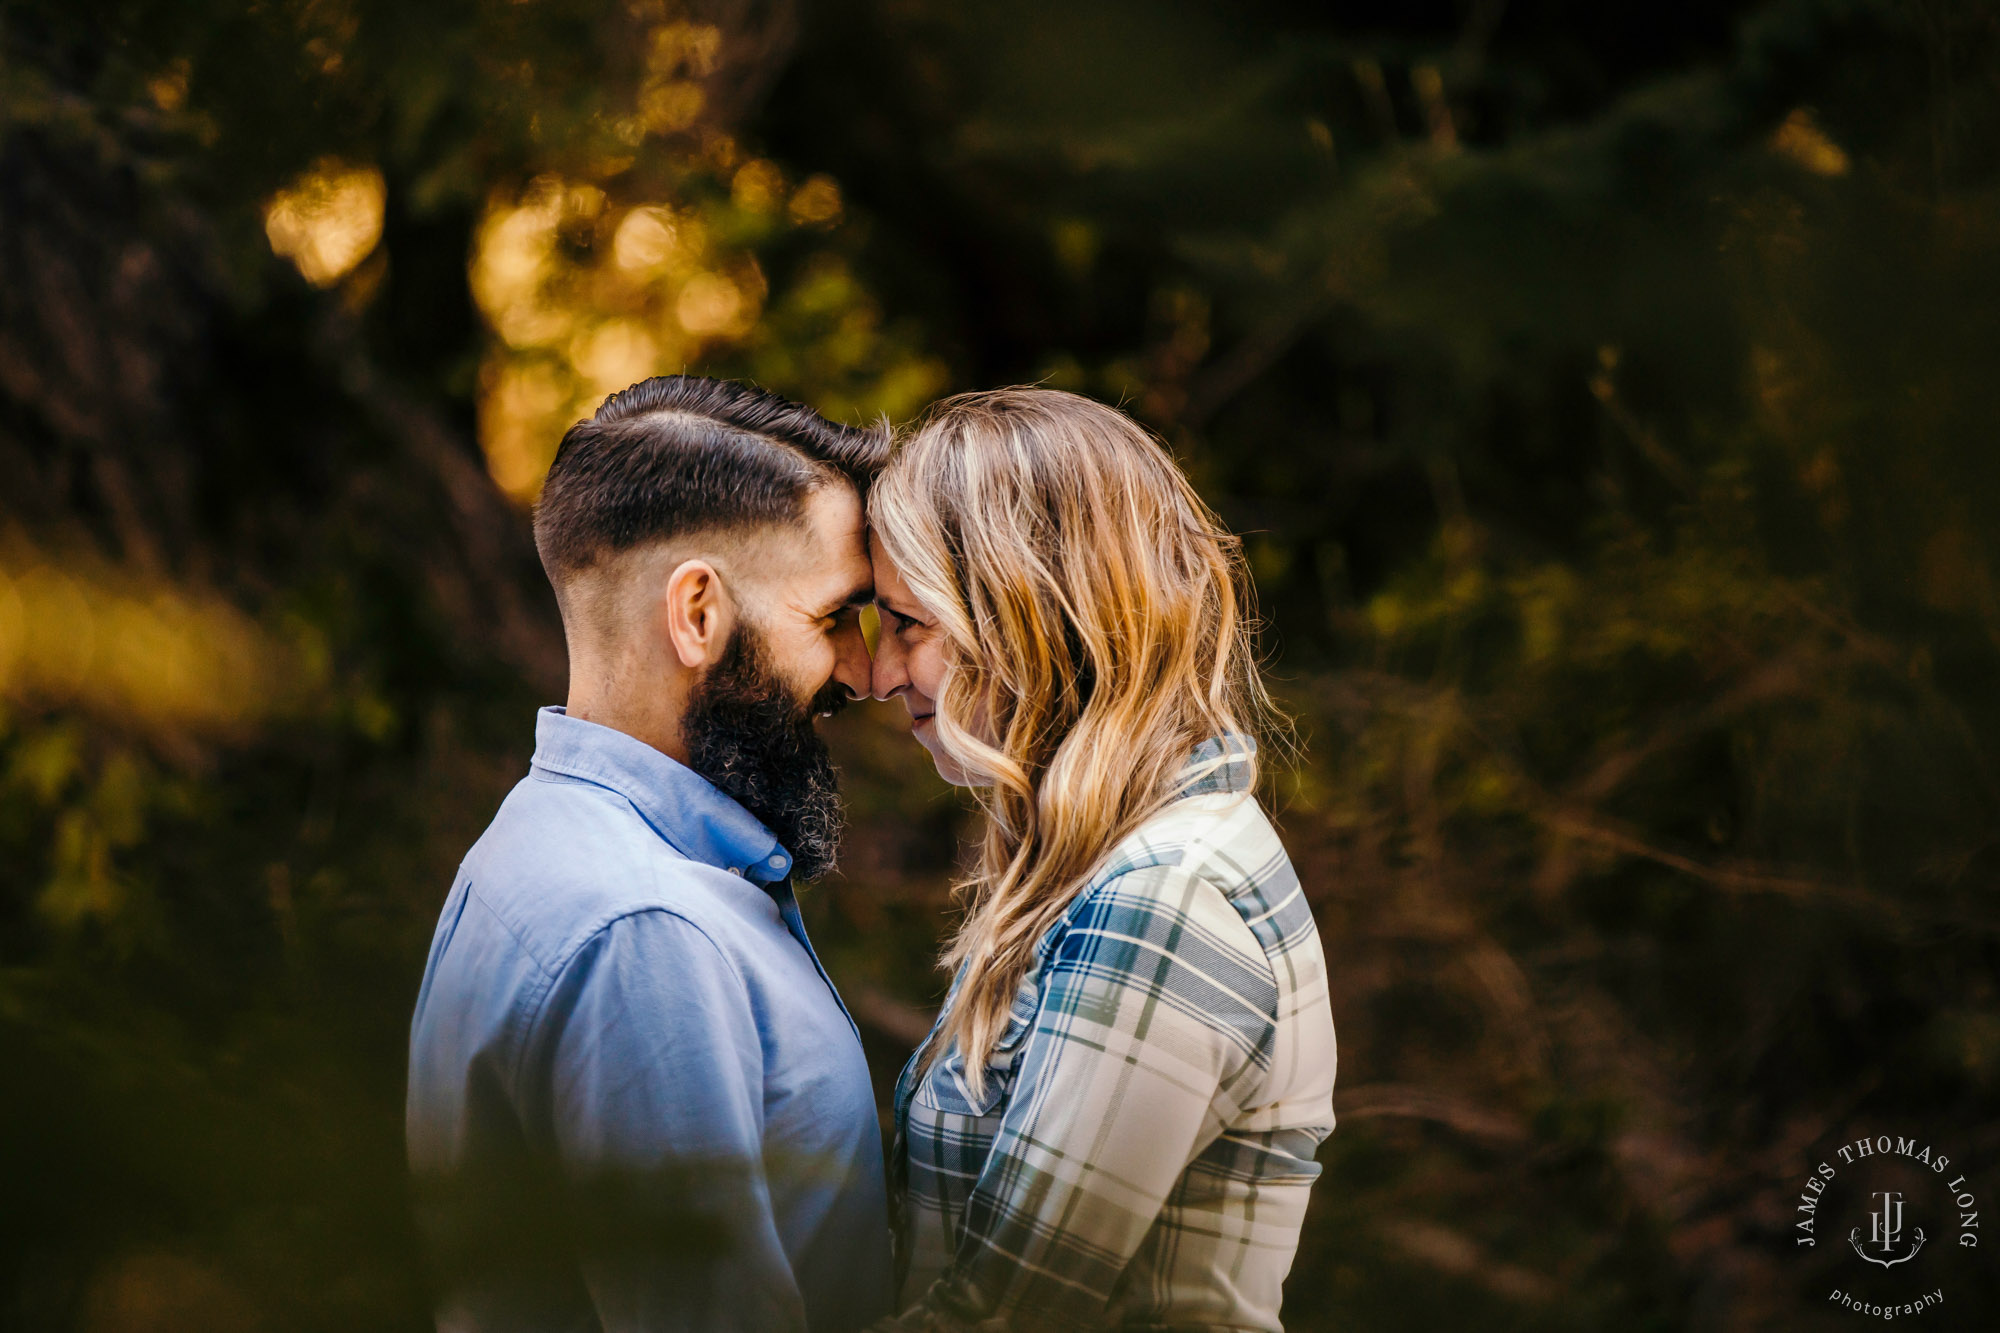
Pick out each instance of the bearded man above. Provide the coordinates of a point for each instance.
(635, 1100)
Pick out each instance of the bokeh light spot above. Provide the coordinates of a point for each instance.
(328, 220)
(1801, 139)
(709, 304)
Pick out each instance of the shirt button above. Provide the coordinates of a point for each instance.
(777, 863)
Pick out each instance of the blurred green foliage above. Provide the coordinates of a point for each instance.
(1604, 393)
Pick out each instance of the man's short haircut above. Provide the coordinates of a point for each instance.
(682, 454)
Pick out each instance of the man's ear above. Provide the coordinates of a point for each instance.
(700, 614)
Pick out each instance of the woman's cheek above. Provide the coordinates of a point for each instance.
(926, 666)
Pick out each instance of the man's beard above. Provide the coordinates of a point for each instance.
(749, 735)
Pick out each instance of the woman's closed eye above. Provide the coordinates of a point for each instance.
(898, 622)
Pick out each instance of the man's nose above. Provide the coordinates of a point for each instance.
(887, 673)
(851, 666)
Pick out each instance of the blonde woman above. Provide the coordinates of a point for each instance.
(1113, 1122)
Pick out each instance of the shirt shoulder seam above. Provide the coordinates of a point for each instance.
(534, 1022)
(472, 890)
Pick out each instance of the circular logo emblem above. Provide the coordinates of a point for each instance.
(1888, 1223)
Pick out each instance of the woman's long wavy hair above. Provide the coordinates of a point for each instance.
(1097, 627)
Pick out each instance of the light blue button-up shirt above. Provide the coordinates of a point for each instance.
(635, 1100)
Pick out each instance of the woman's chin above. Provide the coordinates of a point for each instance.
(924, 730)
(946, 769)
(955, 775)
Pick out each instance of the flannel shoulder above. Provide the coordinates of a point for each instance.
(1225, 840)
(1160, 920)
(1230, 842)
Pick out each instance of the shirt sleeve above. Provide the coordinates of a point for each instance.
(656, 1111)
(1152, 1013)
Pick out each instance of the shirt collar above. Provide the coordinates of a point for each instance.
(683, 807)
(1226, 763)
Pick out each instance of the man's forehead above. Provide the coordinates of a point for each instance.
(838, 509)
(828, 550)
(835, 525)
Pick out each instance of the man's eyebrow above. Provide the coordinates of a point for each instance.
(861, 594)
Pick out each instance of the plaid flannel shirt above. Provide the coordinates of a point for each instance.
(1143, 1148)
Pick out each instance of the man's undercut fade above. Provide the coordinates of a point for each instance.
(678, 455)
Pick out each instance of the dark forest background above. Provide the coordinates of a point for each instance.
(1607, 394)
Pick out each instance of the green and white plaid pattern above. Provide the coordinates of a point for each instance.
(1143, 1148)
